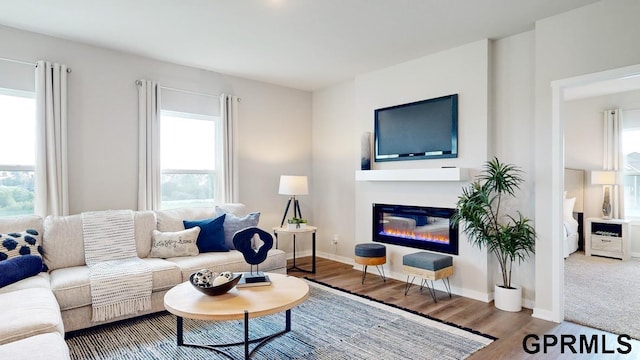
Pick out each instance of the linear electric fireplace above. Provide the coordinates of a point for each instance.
(426, 228)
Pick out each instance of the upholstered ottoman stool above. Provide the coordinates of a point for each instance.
(371, 254)
(429, 267)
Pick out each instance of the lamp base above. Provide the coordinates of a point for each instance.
(606, 204)
(296, 210)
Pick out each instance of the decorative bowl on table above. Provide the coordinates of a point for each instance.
(212, 284)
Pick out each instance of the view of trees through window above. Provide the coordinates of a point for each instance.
(17, 157)
(187, 160)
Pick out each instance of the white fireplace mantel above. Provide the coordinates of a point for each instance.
(434, 174)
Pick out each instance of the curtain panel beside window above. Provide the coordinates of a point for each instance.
(52, 181)
(613, 159)
(228, 189)
(148, 146)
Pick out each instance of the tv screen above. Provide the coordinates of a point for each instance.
(426, 129)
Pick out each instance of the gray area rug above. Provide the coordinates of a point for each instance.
(331, 324)
(603, 293)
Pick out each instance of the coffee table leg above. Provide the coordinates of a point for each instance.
(287, 326)
(246, 341)
(179, 331)
(246, 334)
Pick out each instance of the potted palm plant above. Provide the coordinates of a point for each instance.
(510, 238)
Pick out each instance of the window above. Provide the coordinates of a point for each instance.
(631, 153)
(188, 159)
(18, 152)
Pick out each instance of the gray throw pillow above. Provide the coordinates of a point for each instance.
(175, 244)
(234, 223)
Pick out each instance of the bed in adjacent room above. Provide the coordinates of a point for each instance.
(573, 210)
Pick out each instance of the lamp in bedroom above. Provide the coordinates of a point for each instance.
(606, 179)
(293, 185)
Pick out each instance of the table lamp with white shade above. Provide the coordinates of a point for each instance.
(293, 185)
(606, 179)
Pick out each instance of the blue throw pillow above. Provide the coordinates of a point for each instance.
(18, 268)
(211, 237)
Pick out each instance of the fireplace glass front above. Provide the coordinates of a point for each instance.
(427, 228)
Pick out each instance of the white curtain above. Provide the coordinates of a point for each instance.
(148, 146)
(227, 190)
(52, 181)
(613, 158)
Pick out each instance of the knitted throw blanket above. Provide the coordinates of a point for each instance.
(120, 281)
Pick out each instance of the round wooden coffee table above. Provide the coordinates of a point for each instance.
(284, 293)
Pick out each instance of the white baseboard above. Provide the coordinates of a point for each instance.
(543, 314)
(342, 259)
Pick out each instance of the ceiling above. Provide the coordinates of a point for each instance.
(303, 44)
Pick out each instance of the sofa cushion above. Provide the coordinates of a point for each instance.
(211, 237)
(171, 220)
(234, 223)
(19, 268)
(228, 261)
(63, 242)
(38, 313)
(72, 289)
(41, 280)
(49, 346)
(175, 243)
(20, 223)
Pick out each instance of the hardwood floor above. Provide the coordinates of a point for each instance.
(509, 328)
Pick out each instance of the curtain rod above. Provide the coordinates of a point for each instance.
(139, 82)
(26, 63)
(188, 91)
(18, 61)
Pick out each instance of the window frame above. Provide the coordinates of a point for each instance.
(218, 153)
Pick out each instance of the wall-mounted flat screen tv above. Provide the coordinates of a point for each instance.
(426, 129)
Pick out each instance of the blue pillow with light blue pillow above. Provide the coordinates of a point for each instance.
(211, 237)
(18, 268)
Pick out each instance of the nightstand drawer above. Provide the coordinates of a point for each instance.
(607, 243)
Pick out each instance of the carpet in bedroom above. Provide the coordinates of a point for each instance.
(331, 324)
(603, 293)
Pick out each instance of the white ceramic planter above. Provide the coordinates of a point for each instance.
(508, 299)
(293, 227)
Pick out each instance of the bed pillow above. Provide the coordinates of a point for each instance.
(23, 243)
(175, 243)
(568, 207)
(233, 224)
(211, 236)
(18, 268)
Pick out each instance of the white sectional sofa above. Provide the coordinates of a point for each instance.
(40, 309)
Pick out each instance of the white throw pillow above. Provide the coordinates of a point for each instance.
(568, 207)
(175, 244)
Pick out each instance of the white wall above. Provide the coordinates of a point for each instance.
(465, 71)
(334, 154)
(274, 130)
(590, 39)
(513, 79)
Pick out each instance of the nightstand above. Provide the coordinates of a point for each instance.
(609, 238)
